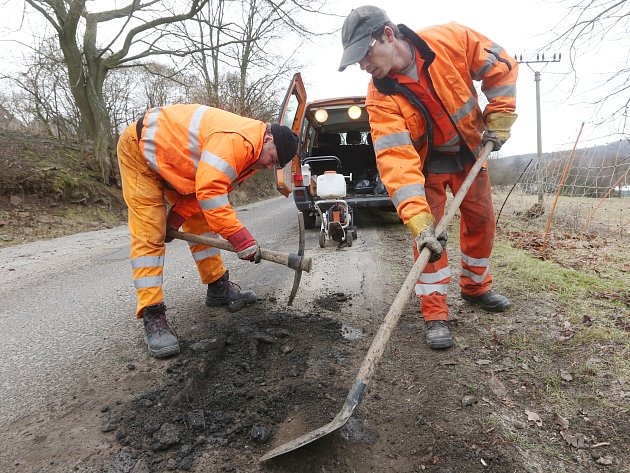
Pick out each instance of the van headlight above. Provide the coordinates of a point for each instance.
(354, 112)
(321, 115)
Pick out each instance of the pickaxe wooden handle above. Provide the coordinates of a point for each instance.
(293, 261)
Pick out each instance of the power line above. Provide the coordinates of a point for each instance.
(540, 59)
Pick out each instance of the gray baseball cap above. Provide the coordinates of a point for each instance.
(357, 32)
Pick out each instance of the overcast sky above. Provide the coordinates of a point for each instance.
(521, 27)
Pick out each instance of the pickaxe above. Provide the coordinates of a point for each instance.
(298, 262)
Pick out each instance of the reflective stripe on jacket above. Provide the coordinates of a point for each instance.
(402, 130)
(202, 153)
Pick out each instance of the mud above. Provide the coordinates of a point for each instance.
(231, 393)
(268, 377)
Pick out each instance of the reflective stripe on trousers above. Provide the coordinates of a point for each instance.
(207, 258)
(144, 195)
(477, 229)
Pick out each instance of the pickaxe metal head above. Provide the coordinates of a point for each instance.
(300, 257)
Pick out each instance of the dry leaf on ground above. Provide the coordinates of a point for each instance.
(577, 440)
(534, 417)
(561, 421)
(566, 332)
(496, 386)
(604, 460)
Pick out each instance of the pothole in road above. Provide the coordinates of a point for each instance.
(334, 301)
(351, 333)
(233, 392)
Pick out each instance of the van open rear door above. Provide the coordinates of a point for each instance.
(291, 115)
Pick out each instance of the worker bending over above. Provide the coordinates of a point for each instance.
(191, 156)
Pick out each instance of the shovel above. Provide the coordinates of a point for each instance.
(384, 332)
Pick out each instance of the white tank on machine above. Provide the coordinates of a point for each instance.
(331, 185)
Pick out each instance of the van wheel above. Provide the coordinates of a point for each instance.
(322, 239)
(309, 220)
(349, 238)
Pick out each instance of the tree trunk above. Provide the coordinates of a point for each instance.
(104, 157)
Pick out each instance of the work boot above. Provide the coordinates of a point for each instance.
(438, 334)
(160, 337)
(490, 301)
(225, 292)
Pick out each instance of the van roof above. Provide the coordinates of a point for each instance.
(353, 100)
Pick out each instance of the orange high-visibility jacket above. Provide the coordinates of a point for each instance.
(202, 153)
(454, 56)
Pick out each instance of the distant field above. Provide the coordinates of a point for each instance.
(607, 218)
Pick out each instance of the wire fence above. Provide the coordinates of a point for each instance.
(582, 192)
(578, 215)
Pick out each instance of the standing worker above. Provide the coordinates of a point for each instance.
(192, 156)
(428, 130)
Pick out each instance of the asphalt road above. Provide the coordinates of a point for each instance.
(71, 347)
(68, 303)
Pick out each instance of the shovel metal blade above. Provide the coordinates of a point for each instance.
(352, 401)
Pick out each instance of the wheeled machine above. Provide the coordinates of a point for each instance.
(335, 213)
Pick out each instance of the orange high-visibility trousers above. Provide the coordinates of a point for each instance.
(146, 197)
(476, 230)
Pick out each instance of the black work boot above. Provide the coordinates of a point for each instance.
(225, 292)
(490, 301)
(160, 337)
(438, 334)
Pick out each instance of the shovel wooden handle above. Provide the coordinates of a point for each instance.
(380, 340)
(290, 260)
(384, 332)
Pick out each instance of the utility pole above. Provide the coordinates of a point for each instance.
(540, 59)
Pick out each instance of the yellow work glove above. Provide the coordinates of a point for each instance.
(423, 230)
(498, 127)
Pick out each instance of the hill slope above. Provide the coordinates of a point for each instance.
(50, 189)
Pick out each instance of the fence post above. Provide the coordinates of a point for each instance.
(564, 176)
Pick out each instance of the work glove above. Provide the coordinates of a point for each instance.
(423, 229)
(435, 243)
(173, 221)
(245, 245)
(498, 127)
(442, 238)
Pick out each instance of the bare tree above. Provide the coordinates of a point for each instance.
(42, 95)
(587, 25)
(121, 99)
(146, 28)
(242, 57)
(141, 31)
(161, 84)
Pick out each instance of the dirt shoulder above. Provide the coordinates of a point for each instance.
(50, 189)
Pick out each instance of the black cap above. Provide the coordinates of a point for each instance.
(286, 142)
(356, 33)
